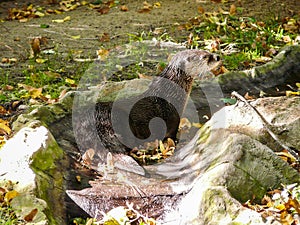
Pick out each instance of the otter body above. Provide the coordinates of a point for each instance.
(156, 113)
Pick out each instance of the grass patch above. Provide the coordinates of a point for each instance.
(241, 40)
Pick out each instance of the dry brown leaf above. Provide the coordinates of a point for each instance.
(3, 111)
(32, 91)
(201, 10)
(124, 8)
(104, 37)
(103, 9)
(144, 76)
(36, 46)
(184, 124)
(146, 8)
(30, 216)
(62, 94)
(8, 88)
(170, 142)
(232, 10)
(249, 97)
(4, 127)
(88, 156)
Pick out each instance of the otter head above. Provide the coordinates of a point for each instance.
(196, 63)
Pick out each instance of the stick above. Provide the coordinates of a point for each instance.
(267, 126)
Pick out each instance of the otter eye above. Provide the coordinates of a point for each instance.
(212, 57)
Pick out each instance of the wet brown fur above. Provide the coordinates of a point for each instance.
(181, 70)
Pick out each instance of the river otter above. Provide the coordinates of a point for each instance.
(156, 113)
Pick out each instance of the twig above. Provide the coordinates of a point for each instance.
(267, 126)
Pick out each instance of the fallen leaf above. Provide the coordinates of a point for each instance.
(8, 88)
(78, 178)
(39, 14)
(24, 20)
(4, 127)
(201, 10)
(69, 81)
(52, 74)
(32, 91)
(3, 111)
(40, 60)
(146, 8)
(76, 37)
(58, 21)
(67, 18)
(291, 93)
(29, 217)
(102, 54)
(170, 142)
(232, 10)
(184, 124)
(62, 93)
(103, 10)
(286, 39)
(44, 26)
(10, 195)
(124, 8)
(88, 156)
(104, 37)
(248, 97)
(157, 5)
(36, 46)
(36, 93)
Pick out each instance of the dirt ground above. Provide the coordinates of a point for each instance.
(92, 26)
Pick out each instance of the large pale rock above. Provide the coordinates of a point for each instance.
(282, 116)
(209, 178)
(30, 160)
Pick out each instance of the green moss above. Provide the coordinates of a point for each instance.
(46, 163)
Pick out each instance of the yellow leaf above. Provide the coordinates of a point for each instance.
(289, 93)
(58, 21)
(280, 207)
(75, 37)
(40, 14)
(4, 126)
(298, 85)
(102, 54)
(69, 81)
(23, 20)
(161, 146)
(57, 12)
(2, 141)
(67, 18)
(30, 7)
(84, 3)
(157, 5)
(35, 92)
(41, 61)
(10, 195)
(197, 125)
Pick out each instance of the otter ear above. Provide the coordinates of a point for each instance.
(191, 58)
